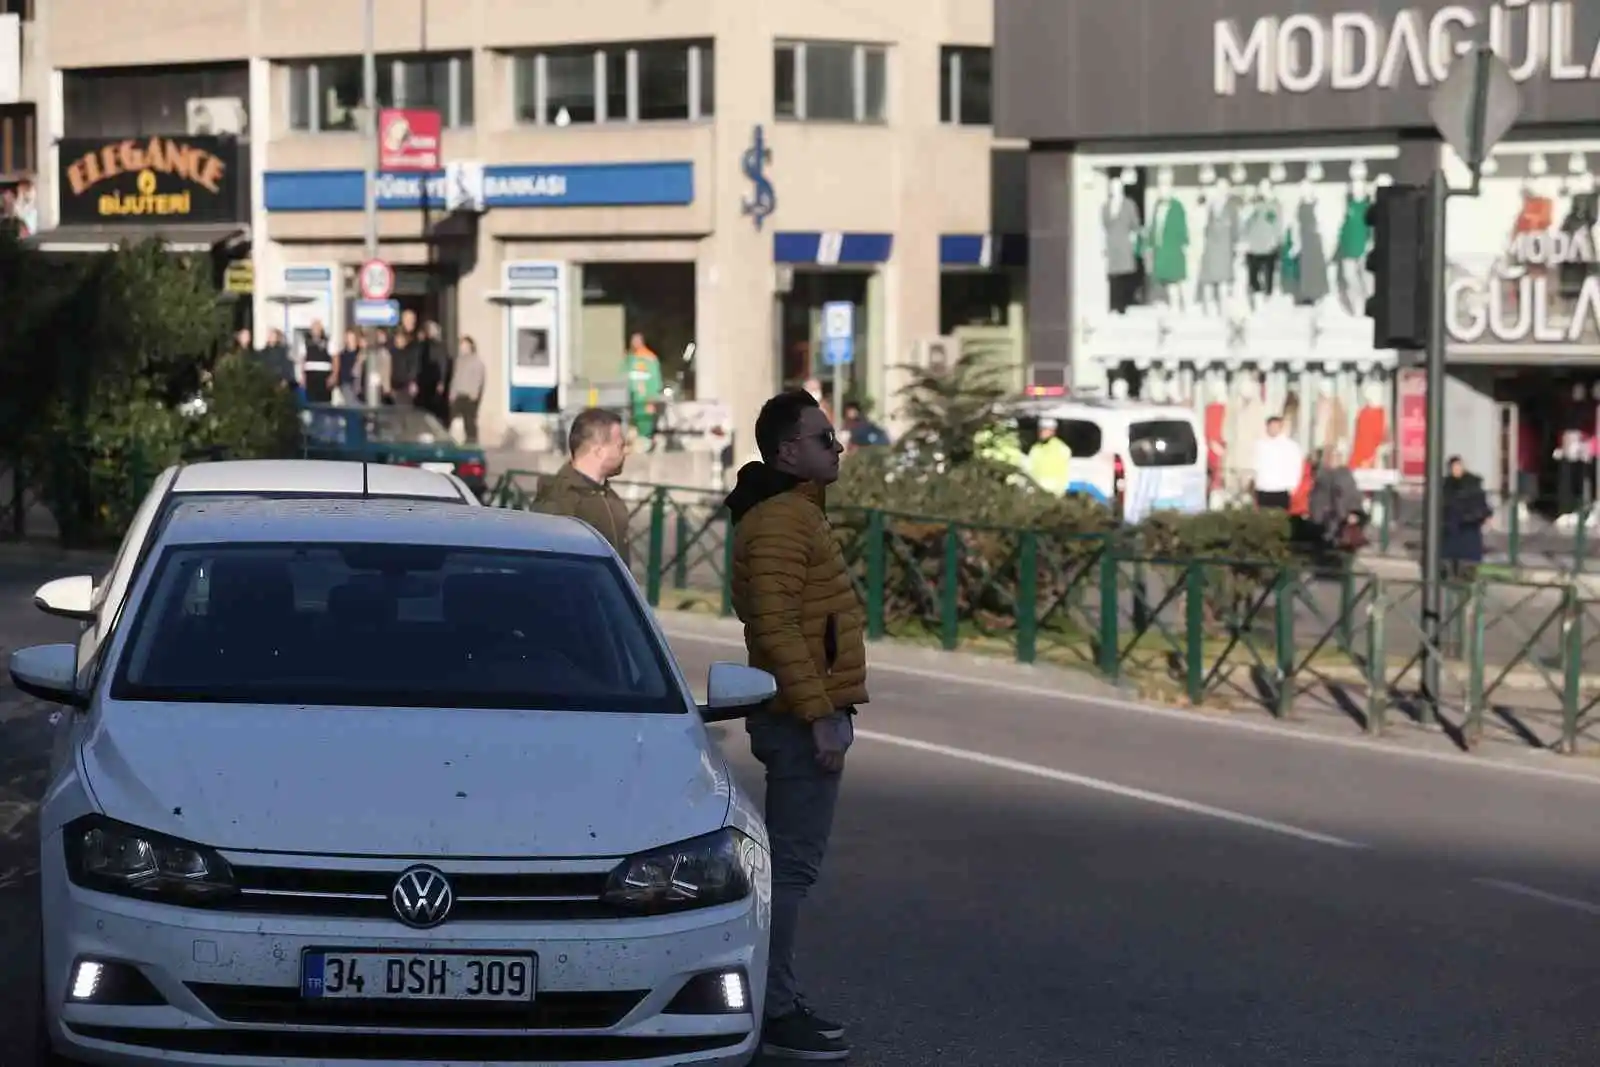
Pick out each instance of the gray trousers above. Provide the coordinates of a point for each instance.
(801, 797)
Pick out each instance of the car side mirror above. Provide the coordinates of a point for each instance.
(67, 598)
(734, 691)
(48, 672)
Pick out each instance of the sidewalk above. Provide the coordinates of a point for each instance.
(1402, 567)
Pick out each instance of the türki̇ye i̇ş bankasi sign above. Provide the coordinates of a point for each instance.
(146, 180)
(1353, 50)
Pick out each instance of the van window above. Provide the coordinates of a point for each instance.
(1080, 435)
(1162, 443)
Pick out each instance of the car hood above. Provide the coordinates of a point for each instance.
(407, 782)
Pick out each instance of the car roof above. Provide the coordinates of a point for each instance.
(406, 522)
(313, 477)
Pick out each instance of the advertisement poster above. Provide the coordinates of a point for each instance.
(408, 139)
(1413, 423)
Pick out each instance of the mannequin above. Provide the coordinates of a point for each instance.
(1264, 232)
(1575, 455)
(1371, 441)
(1156, 388)
(1355, 239)
(1119, 388)
(1216, 418)
(1582, 214)
(1247, 423)
(1305, 270)
(1535, 215)
(1329, 421)
(1221, 238)
(1167, 238)
(1120, 221)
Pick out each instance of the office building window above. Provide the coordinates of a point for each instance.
(18, 141)
(830, 81)
(22, 8)
(140, 101)
(325, 94)
(661, 81)
(966, 86)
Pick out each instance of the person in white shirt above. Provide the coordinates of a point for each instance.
(1280, 464)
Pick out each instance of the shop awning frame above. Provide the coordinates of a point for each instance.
(183, 237)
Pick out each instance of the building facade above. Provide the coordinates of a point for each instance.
(23, 81)
(1198, 224)
(707, 174)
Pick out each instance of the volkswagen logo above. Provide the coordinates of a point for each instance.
(422, 897)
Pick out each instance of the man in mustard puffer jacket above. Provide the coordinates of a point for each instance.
(803, 623)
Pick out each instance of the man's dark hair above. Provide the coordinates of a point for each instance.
(779, 419)
(591, 427)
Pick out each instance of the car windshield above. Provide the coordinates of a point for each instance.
(1163, 443)
(376, 625)
(405, 426)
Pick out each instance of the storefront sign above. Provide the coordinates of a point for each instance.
(1531, 298)
(1354, 50)
(510, 186)
(149, 180)
(1412, 424)
(408, 139)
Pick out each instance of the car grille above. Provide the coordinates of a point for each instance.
(313, 1044)
(554, 1010)
(365, 894)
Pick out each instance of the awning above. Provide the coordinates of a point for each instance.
(179, 237)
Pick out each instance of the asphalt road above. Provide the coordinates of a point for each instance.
(1020, 878)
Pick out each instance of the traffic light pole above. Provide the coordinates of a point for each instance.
(1433, 477)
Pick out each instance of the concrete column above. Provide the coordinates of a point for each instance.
(1052, 348)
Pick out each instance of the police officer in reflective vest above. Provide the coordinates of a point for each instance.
(1050, 460)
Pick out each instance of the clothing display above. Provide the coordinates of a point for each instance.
(1372, 432)
(1355, 233)
(1169, 242)
(1308, 264)
(1263, 243)
(1329, 423)
(1120, 220)
(1216, 441)
(1581, 215)
(1247, 424)
(1221, 236)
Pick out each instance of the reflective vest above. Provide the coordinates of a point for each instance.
(1050, 465)
(1000, 446)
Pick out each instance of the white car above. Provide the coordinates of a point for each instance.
(98, 604)
(398, 782)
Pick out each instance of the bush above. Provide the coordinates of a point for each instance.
(249, 413)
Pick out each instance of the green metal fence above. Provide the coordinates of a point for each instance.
(1521, 658)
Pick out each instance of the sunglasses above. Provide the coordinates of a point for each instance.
(825, 438)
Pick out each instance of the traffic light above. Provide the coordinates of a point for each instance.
(1398, 219)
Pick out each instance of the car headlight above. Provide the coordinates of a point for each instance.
(718, 868)
(113, 857)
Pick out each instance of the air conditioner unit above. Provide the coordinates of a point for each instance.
(214, 116)
(937, 353)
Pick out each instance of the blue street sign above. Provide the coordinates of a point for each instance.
(377, 312)
(838, 333)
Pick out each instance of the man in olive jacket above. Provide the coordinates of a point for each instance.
(598, 448)
(803, 623)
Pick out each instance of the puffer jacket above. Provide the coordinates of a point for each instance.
(803, 621)
(569, 492)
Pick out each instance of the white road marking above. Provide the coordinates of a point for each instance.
(1572, 903)
(1101, 785)
(1260, 729)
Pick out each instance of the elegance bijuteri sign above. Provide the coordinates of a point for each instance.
(1541, 40)
(149, 180)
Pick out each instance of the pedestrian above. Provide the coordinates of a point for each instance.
(598, 447)
(433, 372)
(644, 388)
(349, 370)
(860, 431)
(803, 623)
(405, 358)
(275, 357)
(1049, 461)
(1280, 463)
(1464, 509)
(1336, 506)
(466, 388)
(316, 367)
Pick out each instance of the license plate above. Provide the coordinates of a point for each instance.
(444, 976)
(440, 468)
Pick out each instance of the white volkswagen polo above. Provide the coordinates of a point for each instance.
(397, 782)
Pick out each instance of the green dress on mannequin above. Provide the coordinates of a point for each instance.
(1354, 233)
(1169, 242)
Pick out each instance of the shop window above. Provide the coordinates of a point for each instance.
(661, 81)
(325, 94)
(18, 140)
(830, 81)
(966, 86)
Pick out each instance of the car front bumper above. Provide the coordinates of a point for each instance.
(230, 984)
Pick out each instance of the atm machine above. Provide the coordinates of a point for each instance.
(536, 337)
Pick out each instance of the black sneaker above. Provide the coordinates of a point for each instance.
(796, 1037)
(824, 1026)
